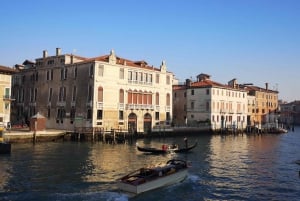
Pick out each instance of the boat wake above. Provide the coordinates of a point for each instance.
(92, 196)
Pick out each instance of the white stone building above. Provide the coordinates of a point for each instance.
(107, 92)
(223, 106)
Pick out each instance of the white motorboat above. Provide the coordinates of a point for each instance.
(145, 179)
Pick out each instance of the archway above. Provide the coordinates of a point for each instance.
(132, 123)
(147, 123)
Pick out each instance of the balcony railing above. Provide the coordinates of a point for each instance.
(8, 98)
(139, 107)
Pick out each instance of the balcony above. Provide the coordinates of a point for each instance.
(8, 98)
(139, 107)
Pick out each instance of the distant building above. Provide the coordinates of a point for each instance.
(262, 105)
(106, 92)
(5, 94)
(290, 113)
(205, 101)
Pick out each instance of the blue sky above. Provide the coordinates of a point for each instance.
(254, 41)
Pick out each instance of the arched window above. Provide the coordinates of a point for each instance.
(100, 94)
(140, 97)
(134, 97)
(168, 99)
(129, 97)
(121, 96)
(157, 98)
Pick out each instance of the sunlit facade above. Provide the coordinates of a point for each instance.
(106, 92)
(5, 94)
(209, 102)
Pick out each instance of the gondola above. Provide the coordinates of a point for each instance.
(166, 149)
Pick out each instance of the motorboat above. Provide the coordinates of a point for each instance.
(149, 178)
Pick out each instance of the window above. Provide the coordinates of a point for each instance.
(168, 100)
(72, 113)
(121, 74)
(91, 71)
(89, 113)
(207, 91)
(63, 73)
(168, 116)
(121, 115)
(157, 98)
(168, 79)
(48, 112)
(100, 94)
(99, 114)
(157, 79)
(75, 72)
(74, 93)
(192, 105)
(207, 106)
(192, 92)
(62, 94)
(157, 116)
(121, 96)
(90, 93)
(101, 71)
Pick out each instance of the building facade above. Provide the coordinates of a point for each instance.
(106, 92)
(208, 102)
(290, 113)
(263, 105)
(5, 94)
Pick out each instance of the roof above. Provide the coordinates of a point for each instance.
(122, 61)
(256, 88)
(7, 70)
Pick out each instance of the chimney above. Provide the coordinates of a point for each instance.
(188, 82)
(267, 86)
(58, 51)
(45, 54)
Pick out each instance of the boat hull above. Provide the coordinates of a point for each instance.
(156, 183)
(5, 148)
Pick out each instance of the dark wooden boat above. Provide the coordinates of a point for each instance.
(166, 149)
(5, 148)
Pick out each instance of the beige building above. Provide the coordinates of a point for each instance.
(5, 94)
(262, 105)
(107, 92)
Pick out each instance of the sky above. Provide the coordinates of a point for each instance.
(253, 41)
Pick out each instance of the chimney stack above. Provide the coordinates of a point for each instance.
(267, 86)
(45, 54)
(58, 51)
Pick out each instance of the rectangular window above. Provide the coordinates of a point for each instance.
(121, 115)
(207, 91)
(192, 92)
(192, 105)
(75, 73)
(101, 71)
(157, 79)
(168, 80)
(89, 113)
(91, 71)
(74, 93)
(99, 114)
(157, 116)
(121, 74)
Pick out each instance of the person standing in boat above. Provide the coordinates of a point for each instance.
(186, 142)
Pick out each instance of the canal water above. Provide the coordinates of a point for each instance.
(233, 167)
